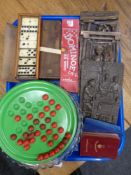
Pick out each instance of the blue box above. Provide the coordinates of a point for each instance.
(75, 156)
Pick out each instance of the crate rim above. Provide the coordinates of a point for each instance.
(123, 136)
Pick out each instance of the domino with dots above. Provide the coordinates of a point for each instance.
(27, 61)
(27, 53)
(24, 71)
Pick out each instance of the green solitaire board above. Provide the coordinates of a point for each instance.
(38, 121)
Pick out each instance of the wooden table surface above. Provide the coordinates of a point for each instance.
(8, 13)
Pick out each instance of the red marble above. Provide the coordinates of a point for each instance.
(50, 143)
(45, 97)
(25, 135)
(57, 150)
(26, 142)
(36, 121)
(42, 126)
(48, 131)
(40, 157)
(61, 145)
(37, 133)
(54, 125)
(43, 138)
(26, 147)
(51, 153)
(55, 136)
(41, 115)
(68, 135)
(48, 120)
(17, 118)
(46, 156)
(32, 140)
(29, 116)
(58, 107)
(52, 102)
(13, 136)
(31, 128)
(46, 108)
(60, 130)
(52, 113)
(20, 142)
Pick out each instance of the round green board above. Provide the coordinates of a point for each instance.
(27, 98)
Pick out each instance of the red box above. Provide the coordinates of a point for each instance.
(69, 56)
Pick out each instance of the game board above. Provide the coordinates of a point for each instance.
(39, 123)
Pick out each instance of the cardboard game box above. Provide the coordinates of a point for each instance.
(69, 58)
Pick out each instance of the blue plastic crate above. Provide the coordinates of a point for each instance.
(76, 154)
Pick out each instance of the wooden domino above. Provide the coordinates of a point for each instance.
(28, 43)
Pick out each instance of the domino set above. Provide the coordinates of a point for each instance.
(28, 47)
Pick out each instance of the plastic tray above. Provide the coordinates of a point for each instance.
(75, 156)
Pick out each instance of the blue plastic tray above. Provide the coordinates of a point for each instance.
(76, 154)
